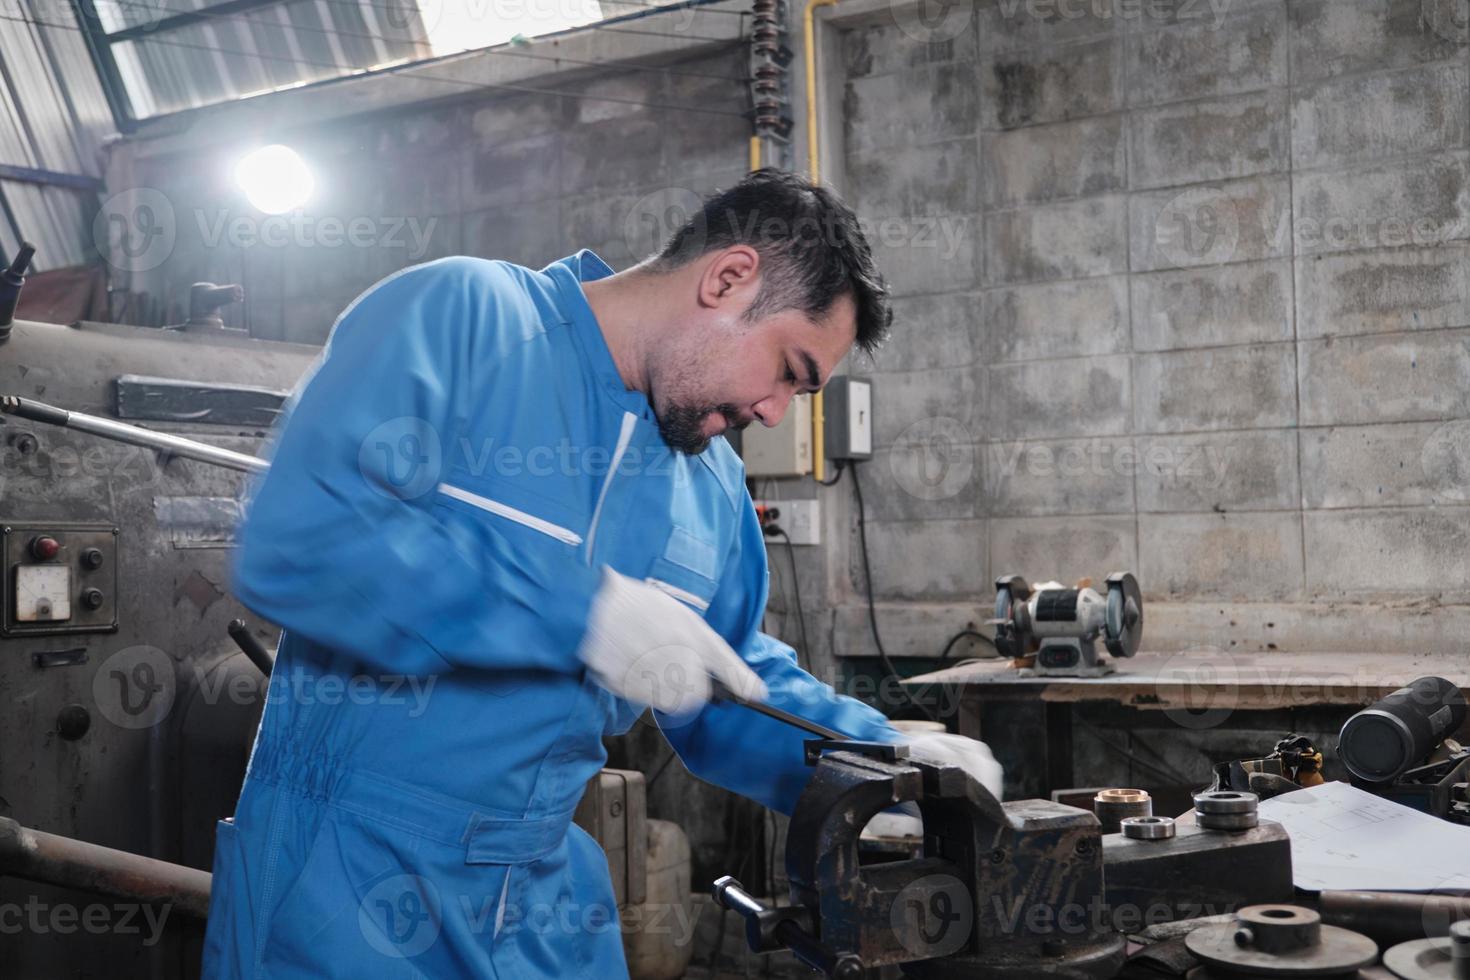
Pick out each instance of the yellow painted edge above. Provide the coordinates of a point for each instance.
(814, 164)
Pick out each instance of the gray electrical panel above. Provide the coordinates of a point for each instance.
(848, 408)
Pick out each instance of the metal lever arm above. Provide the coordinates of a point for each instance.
(719, 692)
(768, 929)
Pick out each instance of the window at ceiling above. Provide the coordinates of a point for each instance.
(163, 56)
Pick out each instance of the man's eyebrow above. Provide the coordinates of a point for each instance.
(813, 375)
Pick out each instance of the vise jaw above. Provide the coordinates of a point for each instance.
(1001, 892)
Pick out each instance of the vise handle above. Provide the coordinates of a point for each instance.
(768, 929)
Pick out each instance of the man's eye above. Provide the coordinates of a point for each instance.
(790, 375)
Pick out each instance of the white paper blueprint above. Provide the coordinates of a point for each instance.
(1344, 838)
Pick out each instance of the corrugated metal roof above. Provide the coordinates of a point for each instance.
(279, 46)
(53, 116)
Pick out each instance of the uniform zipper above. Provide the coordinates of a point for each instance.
(683, 595)
(625, 435)
(512, 514)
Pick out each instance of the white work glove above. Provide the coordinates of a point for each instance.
(969, 754)
(651, 649)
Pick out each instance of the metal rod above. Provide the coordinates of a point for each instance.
(719, 692)
(251, 647)
(47, 858)
(134, 435)
(1393, 917)
(730, 894)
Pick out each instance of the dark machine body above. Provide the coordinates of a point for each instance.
(129, 710)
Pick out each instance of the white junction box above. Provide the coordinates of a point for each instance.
(783, 451)
(800, 519)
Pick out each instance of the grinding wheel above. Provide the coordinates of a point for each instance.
(1125, 615)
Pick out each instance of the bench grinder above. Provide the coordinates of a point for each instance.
(1062, 626)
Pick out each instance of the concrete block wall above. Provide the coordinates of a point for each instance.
(1182, 287)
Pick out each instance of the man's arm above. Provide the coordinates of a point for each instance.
(341, 543)
(737, 748)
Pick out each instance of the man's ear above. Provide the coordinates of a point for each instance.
(729, 276)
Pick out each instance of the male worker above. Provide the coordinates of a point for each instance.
(507, 486)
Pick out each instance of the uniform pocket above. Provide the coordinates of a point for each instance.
(358, 895)
(686, 569)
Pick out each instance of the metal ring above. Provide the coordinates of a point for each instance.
(1148, 828)
(1225, 802)
(1227, 821)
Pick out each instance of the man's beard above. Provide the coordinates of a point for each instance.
(682, 426)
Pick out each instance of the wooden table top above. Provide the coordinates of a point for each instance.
(1203, 680)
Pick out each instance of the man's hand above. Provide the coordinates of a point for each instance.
(967, 753)
(651, 649)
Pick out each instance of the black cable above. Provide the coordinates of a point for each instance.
(857, 489)
(841, 465)
(771, 865)
(796, 588)
(660, 770)
(960, 636)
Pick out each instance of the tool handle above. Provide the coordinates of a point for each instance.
(718, 691)
(251, 647)
(768, 929)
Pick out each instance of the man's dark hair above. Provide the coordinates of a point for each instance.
(811, 247)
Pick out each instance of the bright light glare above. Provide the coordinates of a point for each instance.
(468, 25)
(275, 179)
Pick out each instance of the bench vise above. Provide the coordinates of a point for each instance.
(998, 891)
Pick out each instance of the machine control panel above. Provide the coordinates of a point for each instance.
(59, 578)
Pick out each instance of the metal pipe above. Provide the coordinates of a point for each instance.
(1393, 917)
(47, 858)
(134, 435)
(719, 692)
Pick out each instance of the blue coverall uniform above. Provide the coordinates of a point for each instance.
(453, 474)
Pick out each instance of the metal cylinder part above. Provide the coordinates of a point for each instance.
(1394, 734)
(1228, 822)
(1225, 801)
(39, 856)
(1148, 828)
(1277, 928)
(1394, 917)
(1280, 941)
(1436, 958)
(1226, 810)
(1113, 806)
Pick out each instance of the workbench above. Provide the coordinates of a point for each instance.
(1194, 691)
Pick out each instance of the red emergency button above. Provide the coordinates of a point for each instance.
(45, 549)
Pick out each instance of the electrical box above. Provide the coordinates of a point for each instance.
(848, 408)
(786, 449)
(60, 578)
(800, 519)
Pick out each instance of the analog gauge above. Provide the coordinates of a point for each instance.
(42, 593)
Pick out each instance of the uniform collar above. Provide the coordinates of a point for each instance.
(568, 274)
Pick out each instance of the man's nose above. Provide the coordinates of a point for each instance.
(772, 410)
